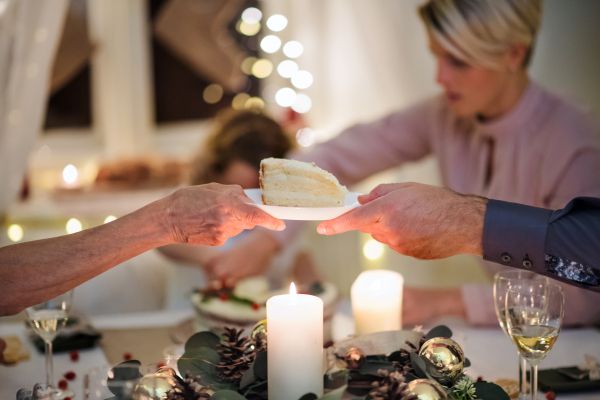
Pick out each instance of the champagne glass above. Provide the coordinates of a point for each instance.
(534, 319)
(47, 319)
(502, 281)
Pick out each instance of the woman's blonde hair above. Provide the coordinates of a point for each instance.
(247, 136)
(478, 31)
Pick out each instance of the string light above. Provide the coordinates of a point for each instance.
(270, 44)
(251, 15)
(248, 29)
(293, 49)
(73, 226)
(247, 65)
(306, 137)
(255, 103)
(373, 249)
(262, 68)
(70, 174)
(302, 104)
(15, 232)
(302, 79)
(212, 93)
(110, 218)
(239, 101)
(285, 97)
(277, 22)
(287, 68)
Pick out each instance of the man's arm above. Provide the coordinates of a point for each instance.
(427, 222)
(33, 272)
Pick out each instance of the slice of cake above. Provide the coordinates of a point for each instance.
(293, 183)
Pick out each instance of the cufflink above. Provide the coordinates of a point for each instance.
(527, 263)
(506, 257)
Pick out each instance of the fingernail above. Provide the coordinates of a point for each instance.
(281, 227)
(322, 230)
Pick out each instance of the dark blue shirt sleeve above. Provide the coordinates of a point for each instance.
(562, 244)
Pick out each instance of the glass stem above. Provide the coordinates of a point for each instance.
(534, 383)
(49, 371)
(522, 376)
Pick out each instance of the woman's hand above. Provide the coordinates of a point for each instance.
(423, 305)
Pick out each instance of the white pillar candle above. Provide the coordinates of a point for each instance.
(377, 301)
(295, 345)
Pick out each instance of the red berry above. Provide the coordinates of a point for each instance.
(255, 306)
(550, 396)
(160, 364)
(127, 356)
(223, 297)
(67, 398)
(74, 355)
(479, 378)
(62, 384)
(70, 375)
(223, 282)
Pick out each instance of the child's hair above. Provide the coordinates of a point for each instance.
(247, 136)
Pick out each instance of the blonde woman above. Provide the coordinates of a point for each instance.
(494, 132)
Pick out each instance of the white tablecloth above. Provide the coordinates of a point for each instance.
(491, 353)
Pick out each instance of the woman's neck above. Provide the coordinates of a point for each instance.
(507, 99)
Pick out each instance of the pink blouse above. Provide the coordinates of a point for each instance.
(544, 152)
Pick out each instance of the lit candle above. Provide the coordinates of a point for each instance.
(377, 301)
(295, 345)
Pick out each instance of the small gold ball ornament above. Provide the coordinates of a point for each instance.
(154, 386)
(260, 327)
(444, 359)
(426, 389)
(355, 358)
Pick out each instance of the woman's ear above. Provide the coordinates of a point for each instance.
(516, 56)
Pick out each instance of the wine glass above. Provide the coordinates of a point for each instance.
(47, 319)
(534, 319)
(502, 281)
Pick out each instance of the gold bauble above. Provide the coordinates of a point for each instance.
(355, 358)
(153, 386)
(426, 389)
(260, 327)
(444, 359)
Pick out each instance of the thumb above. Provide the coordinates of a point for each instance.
(255, 216)
(355, 219)
(381, 190)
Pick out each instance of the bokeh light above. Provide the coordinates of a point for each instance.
(255, 103)
(373, 249)
(262, 68)
(277, 22)
(15, 232)
(251, 15)
(302, 104)
(302, 79)
(248, 29)
(73, 226)
(270, 44)
(70, 174)
(110, 218)
(285, 97)
(247, 65)
(293, 49)
(269, 92)
(212, 93)
(287, 68)
(239, 101)
(306, 137)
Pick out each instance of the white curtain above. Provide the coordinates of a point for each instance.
(29, 33)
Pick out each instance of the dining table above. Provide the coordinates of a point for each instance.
(145, 336)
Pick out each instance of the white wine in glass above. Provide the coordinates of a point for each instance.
(534, 320)
(47, 319)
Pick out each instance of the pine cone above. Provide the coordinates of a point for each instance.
(259, 342)
(188, 389)
(392, 387)
(236, 355)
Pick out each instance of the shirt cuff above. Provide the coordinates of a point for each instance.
(515, 235)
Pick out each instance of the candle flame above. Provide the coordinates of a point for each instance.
(293, 291)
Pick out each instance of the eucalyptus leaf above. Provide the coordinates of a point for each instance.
(248, 377)
(308, 396)
(201, 361)
(439, 331)
(418, 365)
(334, 394)
(467, 363)
(409, 377)
(490, 391)
(336, 379)
(260, 365)
(395, 356)
(227, 395)
(202, 339)
(371, 367)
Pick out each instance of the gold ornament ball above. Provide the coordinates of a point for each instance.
(426, 389)
(355, 358)
(260, 327)
(444, 359)
(153, 386)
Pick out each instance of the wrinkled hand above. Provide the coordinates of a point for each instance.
(210, 214)
(417, 220)
(251, 257)
(423, 305)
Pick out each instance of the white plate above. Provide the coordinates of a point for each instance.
(304, 213)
